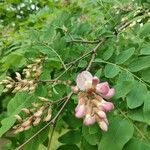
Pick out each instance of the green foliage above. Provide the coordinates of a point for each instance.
(120, 132)
(63, 33)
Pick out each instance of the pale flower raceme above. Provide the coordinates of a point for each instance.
(92, 105)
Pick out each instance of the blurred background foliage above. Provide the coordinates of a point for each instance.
(54, 28)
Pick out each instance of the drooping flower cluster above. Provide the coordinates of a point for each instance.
(27, 81)
(91, 104)
(39, 112)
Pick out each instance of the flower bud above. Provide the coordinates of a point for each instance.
(102, 124)
(18, 76)
(26, 123)
(95, 81)
(25, 110)
(74, 89)
(89, 120)
(43, 99)
(101, 114)
(107, 106)
(27, 128)
(9, 86)
(39, 112)
(110, 94)
(18, 118)
(102, 88)
(80, 113)
(37, 121)
(20, 129)
(49, 115)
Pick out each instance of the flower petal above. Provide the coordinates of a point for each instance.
(89, 120)
(80, 111)
(110, 94)
(82, 79)
(102, 88)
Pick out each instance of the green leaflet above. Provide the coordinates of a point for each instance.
(146, 109)
(140, 64)
(14, 107)
(68, 147)
(137, 95)
(71, 137)
(124, 55)
(91, 136)
(111, 71)
(136, 144)
(119, 133)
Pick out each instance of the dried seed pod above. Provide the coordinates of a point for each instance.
(43, 99)
(26, 123)
(25, 88)
(37, 121)
(38, 114)
(5, 90)
(30, 66)
(38, 60)
(9, 86)
(18, 118)
(18, 76)
(32, 88)
(49, 115)
(20, 129)
(27, 128)
(25, 110)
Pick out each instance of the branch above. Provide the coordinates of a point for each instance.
(52, 122)
(138, 130)
(94, 53)
(84, 41)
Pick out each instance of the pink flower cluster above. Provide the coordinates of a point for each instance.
(91, 104)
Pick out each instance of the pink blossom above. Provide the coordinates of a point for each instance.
(84, 80)
(110, 94)
(107, 106)
(101, 114)
(89, 120)
(95, 81)
(80, 111)
(104, 90)
(103, 125)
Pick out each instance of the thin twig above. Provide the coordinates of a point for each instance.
(138, 130)
(51, 136)
(52, 122)
(46, 45)
(94, 53)
(83, 41)
(107, 62)
(83, 56)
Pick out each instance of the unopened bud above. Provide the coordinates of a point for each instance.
(74, 89)
(18, 76)
(49, 115)
(18, 118)
(20, 129)
(9, 86)
(43, 99)
(25, 110)
(5, 81)
(37, 121)
(5, 90)
(26, 123)
(25, 88)
(38, 113)
(27, 128)
(38, 60)
(32, 88)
